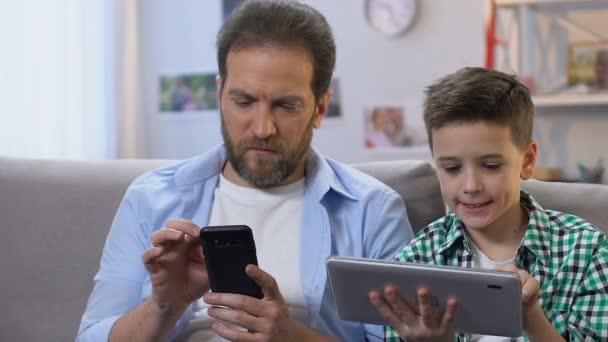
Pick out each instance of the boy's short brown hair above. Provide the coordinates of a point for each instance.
(477, 94)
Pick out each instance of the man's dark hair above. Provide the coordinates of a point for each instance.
(477, 94)
(258, 23)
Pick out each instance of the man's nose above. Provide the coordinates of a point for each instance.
(264, 124)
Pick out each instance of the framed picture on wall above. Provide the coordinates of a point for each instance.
(588, 65)
(387, 128)
(188, 93)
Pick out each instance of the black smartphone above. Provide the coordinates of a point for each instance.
(228, 250)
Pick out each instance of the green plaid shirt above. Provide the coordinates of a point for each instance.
(568, 257)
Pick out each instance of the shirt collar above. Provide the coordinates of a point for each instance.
(538, 236)
(455, 234)
(202, 167)
(321, 177)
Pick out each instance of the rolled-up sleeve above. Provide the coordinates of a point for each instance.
(392, 229)
(118, 283)
(392, 232)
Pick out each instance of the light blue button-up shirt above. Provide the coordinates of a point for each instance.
(345, 213)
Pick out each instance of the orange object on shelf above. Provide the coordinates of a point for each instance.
(548, 173)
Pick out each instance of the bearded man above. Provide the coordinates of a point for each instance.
(275, 61)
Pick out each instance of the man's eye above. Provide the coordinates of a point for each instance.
(289, 107)
(243, 103)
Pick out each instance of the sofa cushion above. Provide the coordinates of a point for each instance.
(589, 201)
(56, 214)
(55, 217)
(416, 182)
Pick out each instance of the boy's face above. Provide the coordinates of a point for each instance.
(479, 170)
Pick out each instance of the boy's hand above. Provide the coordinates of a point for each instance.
(533, 314)
(423, 323)
(530, 288)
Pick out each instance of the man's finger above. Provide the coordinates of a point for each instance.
(166, 235)
(161, 255)
(184, 226)
(150, 255)
(196, 253)
(233, 334)
(240, 318)
(269, 285)
(251, 305)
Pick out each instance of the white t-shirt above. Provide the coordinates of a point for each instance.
(480, 260)
(274, 216)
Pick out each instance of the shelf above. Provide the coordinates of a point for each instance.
(560, 5)
(568, 100)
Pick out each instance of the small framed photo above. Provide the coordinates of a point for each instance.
(588, 65)
(387, 127)
(188, 92)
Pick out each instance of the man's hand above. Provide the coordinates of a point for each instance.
(423, 323)
(265, 319)
(176, 266)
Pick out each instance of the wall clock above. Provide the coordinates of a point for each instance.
(391, 17)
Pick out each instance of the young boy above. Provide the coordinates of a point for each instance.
(479, 124)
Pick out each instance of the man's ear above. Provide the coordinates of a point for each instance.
(529, 161)
(322, 108)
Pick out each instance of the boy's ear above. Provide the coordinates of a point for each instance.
(529, 161)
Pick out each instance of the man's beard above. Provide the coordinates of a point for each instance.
(276, 168)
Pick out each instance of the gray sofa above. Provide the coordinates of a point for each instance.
(55, 216)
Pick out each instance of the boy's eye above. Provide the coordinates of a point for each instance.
(451, 168)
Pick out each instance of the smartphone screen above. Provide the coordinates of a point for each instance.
(228, 250)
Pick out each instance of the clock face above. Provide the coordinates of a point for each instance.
(390, 17)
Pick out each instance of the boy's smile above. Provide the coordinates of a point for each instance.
(479, 169)
(477, 207)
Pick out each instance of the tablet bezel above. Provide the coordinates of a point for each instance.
(489, 301)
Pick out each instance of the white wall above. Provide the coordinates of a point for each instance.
(179, 36)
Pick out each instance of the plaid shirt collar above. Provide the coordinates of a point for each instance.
(536, 240)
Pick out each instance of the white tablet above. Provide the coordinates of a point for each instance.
(489, 302)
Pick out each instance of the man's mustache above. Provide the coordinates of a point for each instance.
(261, 145)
